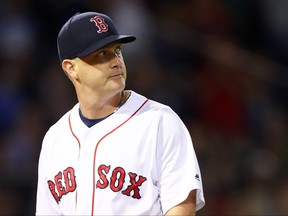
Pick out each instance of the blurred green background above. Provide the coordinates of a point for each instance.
(221, 65)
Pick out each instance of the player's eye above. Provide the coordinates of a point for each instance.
(118, 51)
(103, 53)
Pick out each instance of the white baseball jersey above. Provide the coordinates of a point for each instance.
(138, 161)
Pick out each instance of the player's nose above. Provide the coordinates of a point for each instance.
(116, 60)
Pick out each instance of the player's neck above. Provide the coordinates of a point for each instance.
(97, 107)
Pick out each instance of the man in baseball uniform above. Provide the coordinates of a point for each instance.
(115, 152)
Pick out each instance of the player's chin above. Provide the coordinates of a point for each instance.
(118, 85)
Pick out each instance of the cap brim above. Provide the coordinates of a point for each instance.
(105, 41)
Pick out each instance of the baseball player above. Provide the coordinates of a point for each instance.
(115, 152)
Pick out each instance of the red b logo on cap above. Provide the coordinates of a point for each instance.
(100, 23)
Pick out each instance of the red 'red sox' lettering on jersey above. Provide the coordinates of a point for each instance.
(65, 182)
(57, 187)
(117, 180)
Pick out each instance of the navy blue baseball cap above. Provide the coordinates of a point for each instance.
(87, 32)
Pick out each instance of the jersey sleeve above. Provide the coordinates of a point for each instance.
(45, 203)
(177, 164)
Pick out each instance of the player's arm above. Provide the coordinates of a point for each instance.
(45, 203)
(187, 207)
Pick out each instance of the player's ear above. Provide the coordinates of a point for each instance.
(68, 66)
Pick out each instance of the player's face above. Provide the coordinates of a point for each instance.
(103, 70)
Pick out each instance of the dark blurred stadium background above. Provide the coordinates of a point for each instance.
(221, 65)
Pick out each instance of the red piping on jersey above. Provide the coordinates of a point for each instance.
(93, 195)
(77, 141)
(73, 132)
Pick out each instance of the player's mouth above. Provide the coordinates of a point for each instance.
(115, 76)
